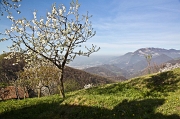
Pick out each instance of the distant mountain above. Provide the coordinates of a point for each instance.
(133, 63)
(174, 61)
(137, 66)
(109, 71)
(129, 64)
(139, 55)
(155, 68)
(81, 62)
(98, 70)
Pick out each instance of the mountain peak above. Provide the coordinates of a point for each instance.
(147, 51)
(154, 51)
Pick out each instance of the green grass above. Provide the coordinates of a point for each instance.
(154, 96)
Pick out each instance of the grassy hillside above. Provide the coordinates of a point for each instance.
(149, 97)
(82, 77)
(109, 71)
(75, 79)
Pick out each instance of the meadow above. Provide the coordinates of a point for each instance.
(155, 96)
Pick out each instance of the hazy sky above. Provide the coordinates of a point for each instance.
(121, 25)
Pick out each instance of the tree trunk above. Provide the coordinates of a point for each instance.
(39, 92)
(61, 85)
(16, 89)
(49, 93)
(25, 92)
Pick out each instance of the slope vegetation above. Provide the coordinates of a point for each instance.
(108, 71)
(154, 96)
(81, 78)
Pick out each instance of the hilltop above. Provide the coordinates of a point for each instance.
(155, 96)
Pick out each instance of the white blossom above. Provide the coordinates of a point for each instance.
(60, 12)
(27, 24)
(38, 33)
(41, 20)
(70, 8)
(33, 21)
(63, 7)
(54, 10)
(169, 67)
(47, 23)
(49, 14)
(77, 6)
(18, 11)
(7, 32)
(35, 28)
(88, 86)
(44, 41)
(34, 13)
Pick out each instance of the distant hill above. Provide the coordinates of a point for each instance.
(141, 65)
(82, 78)
(156, 67)
(174, 61)
(109, 71)
(158, 56)
(82, 62)
(135, 62)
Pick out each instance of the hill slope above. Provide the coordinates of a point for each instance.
(154, 96)
(82, 77)
(136, 61)
(109, 71)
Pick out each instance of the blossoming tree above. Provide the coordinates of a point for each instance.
(56, 39)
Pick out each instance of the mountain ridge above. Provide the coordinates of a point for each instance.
(134, 62)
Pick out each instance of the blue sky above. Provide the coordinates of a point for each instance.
(121, 25)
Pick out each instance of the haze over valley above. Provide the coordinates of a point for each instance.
(128, 65)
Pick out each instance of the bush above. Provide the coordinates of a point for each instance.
(71, 85)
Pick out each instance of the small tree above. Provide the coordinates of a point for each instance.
(56, 39)
(148, 59)
(38, 77)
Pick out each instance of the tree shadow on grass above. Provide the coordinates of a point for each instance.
(144, 109)
(111, 89)
(164, 82)
(160, 84)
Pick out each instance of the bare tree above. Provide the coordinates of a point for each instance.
(148, 59)
(56, 39)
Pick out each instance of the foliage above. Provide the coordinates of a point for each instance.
(38, 77)
(149, 97)
(10, 67)
(84, 78)
(55, 39)
(47, 76)
(71, 85)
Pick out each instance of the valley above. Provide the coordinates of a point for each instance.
(131, 64)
